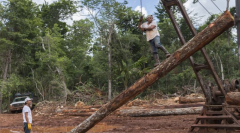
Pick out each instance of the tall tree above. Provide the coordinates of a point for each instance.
(104, 20)
(19, 28)
(50, 75)
(77, 46)
(56, 12)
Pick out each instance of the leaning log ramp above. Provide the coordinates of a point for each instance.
(216, 28)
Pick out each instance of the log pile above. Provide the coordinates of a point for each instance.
(80, 109)
(46, 108)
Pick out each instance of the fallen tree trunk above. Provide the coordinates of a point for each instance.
(181, 106)
(183, 100)
(233, 98)
(166, 106)
(159, 112)
(220, 25)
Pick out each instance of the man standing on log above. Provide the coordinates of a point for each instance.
(153, 37)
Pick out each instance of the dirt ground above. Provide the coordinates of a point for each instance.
(12, 123)
(52, 117)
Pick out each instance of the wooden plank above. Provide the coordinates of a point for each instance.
(216, 125)
(224, 22)
(214, 112)
(215, 117)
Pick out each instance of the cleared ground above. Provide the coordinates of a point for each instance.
(111, 124)
(53, 117)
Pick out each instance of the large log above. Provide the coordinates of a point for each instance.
(159, 112)
(182, 106)
(183, 100)
(233, 98)
(224, 22)
(200, 104)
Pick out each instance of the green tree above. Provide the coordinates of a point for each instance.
(50, 75)
(19, 28)
(77, 46)
(104, 20)
(56, 12)
(119, 44)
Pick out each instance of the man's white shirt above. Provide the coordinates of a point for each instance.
(24, 110)
(153, 33)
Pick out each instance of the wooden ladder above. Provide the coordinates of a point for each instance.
(215, 118)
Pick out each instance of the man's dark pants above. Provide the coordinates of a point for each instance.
(26, 130)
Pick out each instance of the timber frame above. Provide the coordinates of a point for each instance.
(216, 115)
(237, 23)
(196, 67)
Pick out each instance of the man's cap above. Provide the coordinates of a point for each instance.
(28, 99)
(148, 16)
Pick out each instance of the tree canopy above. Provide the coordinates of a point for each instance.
(42, 54)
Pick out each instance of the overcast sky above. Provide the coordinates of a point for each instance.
(149, 7)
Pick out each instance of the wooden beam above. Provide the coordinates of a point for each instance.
(224, 22)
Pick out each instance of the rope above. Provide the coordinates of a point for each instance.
(141, 6)
(144, 51)
(216, 6)
(227, 5)
(204, 7)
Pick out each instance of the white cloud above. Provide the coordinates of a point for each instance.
(77, 16)
(197, 8)
(144, 11)
(42, 1)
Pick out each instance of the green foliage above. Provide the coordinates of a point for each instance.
(40, 53)
(56, 12)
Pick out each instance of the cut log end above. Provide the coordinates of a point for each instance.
(233, 98)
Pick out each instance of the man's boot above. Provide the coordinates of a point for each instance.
(156, 58)
(167, 54)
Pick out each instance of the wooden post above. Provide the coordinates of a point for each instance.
(224, 22)
(237, 21)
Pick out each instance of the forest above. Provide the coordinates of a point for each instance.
(101, 55)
